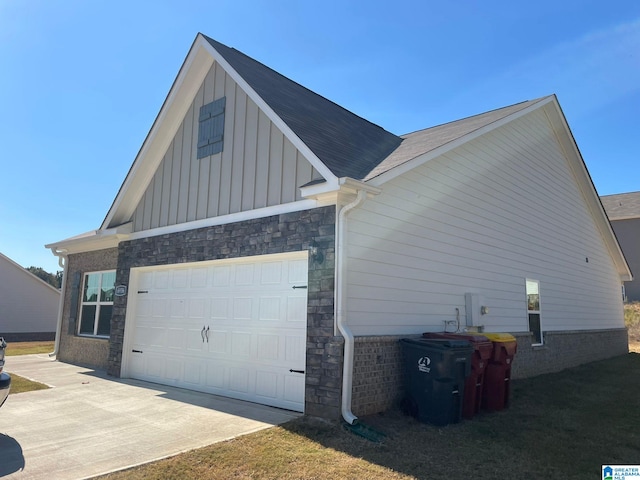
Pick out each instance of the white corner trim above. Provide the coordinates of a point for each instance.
(298, 206)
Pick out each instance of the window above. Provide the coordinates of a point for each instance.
(211, 128)
(533, 308)
(97, 304)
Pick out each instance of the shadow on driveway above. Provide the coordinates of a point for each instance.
(12, 458)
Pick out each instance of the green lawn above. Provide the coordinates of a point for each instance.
(27, 348)
(563, 425)
(20, 384)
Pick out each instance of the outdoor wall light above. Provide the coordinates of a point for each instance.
(484, 310)
(316, 255)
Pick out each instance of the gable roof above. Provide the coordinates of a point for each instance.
(424, 141)
(622, 206)
(347, 144)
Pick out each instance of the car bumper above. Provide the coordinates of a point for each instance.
(5, 386)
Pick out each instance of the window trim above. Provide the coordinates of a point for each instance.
(534, 312)
(98, 303)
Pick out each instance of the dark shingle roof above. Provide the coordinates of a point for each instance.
(622, 205)
(347, 144)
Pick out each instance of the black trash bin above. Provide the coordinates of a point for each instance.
(435, 373)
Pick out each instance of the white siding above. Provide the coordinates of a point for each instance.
(258, 166)
(27, 304)
(481, 219)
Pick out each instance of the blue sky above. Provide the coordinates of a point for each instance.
(82, 81)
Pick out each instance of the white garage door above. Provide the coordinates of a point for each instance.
(230, 327)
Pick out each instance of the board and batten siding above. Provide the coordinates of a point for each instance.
(481, 219)
(258, 167)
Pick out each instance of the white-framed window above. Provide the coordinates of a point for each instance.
(97, 304)
(533, 309)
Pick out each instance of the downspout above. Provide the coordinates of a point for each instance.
(347, 366)
(62, 261)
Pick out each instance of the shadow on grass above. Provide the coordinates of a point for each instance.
(561, 425)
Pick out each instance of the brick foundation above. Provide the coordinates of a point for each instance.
(378, 365)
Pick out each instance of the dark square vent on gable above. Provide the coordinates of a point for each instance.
(211, 128)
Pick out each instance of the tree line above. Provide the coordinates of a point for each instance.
(54, 279)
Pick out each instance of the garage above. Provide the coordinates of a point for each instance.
(233, 327)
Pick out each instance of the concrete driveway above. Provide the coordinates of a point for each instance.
(89, 424)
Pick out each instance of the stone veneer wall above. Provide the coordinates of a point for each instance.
(378, 382)
(85, 351)
(288, 232)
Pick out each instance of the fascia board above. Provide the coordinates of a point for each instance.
(190, 77)
(98, 241)
(275, 118)
(280, 209)
(441, 150)
(585, 183)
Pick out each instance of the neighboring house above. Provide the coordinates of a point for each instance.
(28, 305)
(271, 246)
(624, 214)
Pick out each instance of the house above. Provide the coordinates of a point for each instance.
(624, 214)
(271, 246)
(28, 305)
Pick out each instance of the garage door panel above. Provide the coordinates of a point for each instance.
(199, 277)
(269, 347)
(296, 309)
(193, 372)
(256, 324)
(293, 387)
(218, 341)
(239, 379)
(241, 344)
(244, 275)
(271, 273)
(242, 309)
(270, 308)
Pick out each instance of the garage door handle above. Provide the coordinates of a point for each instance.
(299, 286)
(136, 351)
(296, 371)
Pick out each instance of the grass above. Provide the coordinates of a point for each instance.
(28, 348)
(562, 425)
(20, 385)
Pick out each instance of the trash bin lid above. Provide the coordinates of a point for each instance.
(474, 339)
(500, 337)
(440, 344)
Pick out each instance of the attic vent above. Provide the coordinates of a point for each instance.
(211, 128)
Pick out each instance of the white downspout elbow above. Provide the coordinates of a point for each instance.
(347, 366)
(62, 261)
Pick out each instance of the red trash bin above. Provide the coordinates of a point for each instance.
(473, 386)
(497, 378)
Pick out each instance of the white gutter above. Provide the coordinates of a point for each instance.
(347, 366)
(62, 261)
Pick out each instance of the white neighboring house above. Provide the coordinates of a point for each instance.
(28, 305)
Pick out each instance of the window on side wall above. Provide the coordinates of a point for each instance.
(533, 310)
(97, 304)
